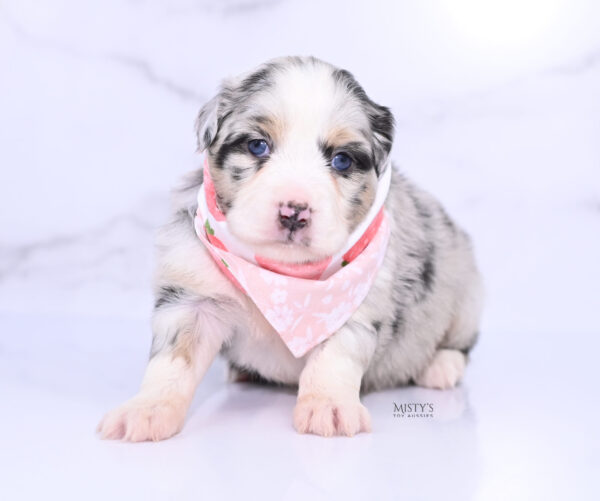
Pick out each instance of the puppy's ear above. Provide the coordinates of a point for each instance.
(207, 123)
(382, 127)
(380, 119)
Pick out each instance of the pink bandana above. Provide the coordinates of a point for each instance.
(304, 303)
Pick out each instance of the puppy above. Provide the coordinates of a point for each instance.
(273, 139)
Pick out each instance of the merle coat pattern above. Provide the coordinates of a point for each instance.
(420, 318)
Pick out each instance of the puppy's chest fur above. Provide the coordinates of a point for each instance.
(413, 308)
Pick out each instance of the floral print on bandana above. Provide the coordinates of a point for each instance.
(305, 307)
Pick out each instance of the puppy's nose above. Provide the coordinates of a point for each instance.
(294, 215)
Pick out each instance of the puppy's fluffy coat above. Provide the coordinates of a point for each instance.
(420, 318)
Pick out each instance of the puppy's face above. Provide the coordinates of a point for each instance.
(295, 149)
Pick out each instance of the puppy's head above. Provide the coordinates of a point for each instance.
(296, 149)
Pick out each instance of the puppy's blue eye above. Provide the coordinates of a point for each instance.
(259, 148)
(341, 161)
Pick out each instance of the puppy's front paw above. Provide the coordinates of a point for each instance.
(143, 418)
(445, 370)
(327, 416)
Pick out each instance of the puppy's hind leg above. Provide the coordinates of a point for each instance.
(188, 333)
(447, 367)
(444, 371)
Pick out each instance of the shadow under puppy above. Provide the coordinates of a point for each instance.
(296, 161)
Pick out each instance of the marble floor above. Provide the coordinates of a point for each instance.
(498, 114)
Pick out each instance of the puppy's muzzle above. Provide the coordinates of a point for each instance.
(294, 216)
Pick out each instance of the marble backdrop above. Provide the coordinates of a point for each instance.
(498, 114)
(499, 118)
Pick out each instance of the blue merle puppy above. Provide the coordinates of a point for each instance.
(418, 321)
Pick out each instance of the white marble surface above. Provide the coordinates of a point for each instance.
(498, 111)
